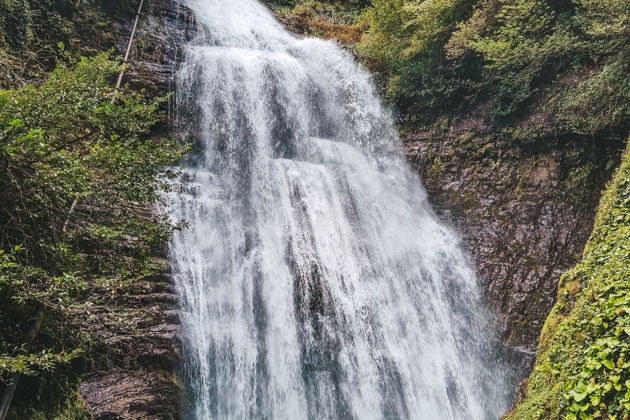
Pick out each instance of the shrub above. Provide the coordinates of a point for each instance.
(506, 55)
(406, 39)
(78, 176)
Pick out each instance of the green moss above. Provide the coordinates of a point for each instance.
(583, 369)
(485, 149)
(437, 167)
(579, 176)
(467, 137)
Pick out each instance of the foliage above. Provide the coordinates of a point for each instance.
(403, 29)
(583, 366)
(74, 408)
(25, 22)
(31, 29)
(508, 56)
(405, 41)
(79, 175)
(608, 19)
(388, 35)
(593, 103)
(525, 39)
(29, 364)
(63, 141)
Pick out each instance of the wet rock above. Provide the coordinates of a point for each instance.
(524, 209)
(164, 28)
(118, 395)
(135, 377)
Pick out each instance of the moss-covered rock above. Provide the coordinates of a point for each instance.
(583, 365)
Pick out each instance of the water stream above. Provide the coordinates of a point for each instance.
(315, 280)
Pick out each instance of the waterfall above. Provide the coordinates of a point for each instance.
(315, 280)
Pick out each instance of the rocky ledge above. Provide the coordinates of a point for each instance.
(165, 26)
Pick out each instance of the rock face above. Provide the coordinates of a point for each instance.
(164, 27)
(136, 377)
(524, 208)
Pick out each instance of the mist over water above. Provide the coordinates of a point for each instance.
(315, 280)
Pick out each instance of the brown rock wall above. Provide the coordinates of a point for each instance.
(524, 208)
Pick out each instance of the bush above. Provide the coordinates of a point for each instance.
(78, 176)
(523, 43)
(406, 41)
(600, 102)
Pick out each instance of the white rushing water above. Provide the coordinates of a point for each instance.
(315, 280)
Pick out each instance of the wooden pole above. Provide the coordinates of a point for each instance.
(72, 207)
(128, 51)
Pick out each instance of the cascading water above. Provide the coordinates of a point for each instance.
(315, 281)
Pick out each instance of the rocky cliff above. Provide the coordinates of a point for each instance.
(164, 28)
(524, 204)
(581, 369)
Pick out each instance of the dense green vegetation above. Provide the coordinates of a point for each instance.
(31, 29)
(568, 59)
(583, 366)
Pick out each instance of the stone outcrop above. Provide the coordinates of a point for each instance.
(524, 208)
